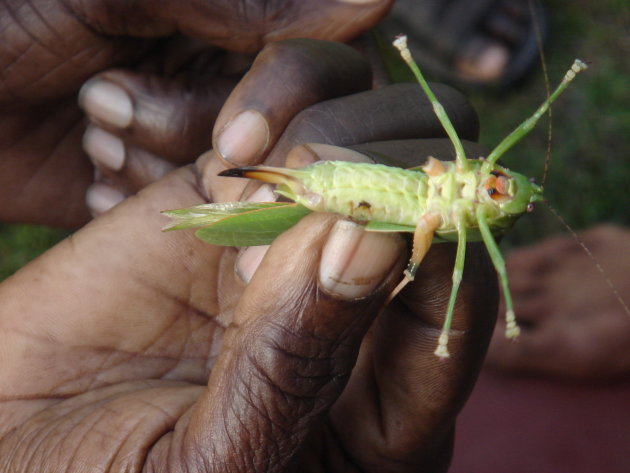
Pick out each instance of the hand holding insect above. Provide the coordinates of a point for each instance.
(468, 199)
(153, 336)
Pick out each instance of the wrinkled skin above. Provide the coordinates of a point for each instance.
(127, 349)
(49, 48)
(573, 326)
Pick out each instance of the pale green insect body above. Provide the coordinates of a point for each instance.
(363, 192)
(379, 193)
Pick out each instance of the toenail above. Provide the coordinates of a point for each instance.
(106, 150)
(106, 102)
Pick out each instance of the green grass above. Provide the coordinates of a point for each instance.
(21, 243)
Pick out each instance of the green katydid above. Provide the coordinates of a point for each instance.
(464, 200)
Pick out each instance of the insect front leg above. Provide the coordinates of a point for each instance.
(511, 328)
(422, 239)
(460, 155)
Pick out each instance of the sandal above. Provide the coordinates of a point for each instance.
(470, 43)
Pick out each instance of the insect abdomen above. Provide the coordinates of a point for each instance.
(366, 192)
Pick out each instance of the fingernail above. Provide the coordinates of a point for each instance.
(106, 102)
(243, 138)
(355, 262)
(105, 149)
(101, 197)
(306, 154)
(264, 193)
(248, 261)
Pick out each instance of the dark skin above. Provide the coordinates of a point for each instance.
(51, 48)
(171, 116)
(127, 349)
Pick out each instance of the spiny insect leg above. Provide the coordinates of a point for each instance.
(458, 270)
(460, 156)
(511, 329)
(422, 239)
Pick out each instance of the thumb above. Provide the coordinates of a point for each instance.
(294, 341)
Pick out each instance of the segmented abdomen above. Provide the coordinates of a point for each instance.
(367, 191)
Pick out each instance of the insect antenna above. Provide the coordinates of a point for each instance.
(576, 237)
(593, 258)
(543, 63)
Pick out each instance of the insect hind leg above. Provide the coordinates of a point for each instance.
(422, 239)
(458, 271)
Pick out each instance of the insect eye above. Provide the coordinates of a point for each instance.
(502, 185)
(497, 186)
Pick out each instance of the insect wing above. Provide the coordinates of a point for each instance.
(252, 227)
(208, 214)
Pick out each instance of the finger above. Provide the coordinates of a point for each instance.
(402, 400)
(124, 33)
(43, 175)
(400, 385)
(397, 112)
(101, 197)
(291, 349)
(553, 347)
(399, 153)
(168, 117)
(585, 348)
(260, 22)
(294, 74)
(541, 349)
(123, 167)
(413, 152)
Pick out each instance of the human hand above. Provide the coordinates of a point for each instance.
(572, 324)
(144, 350)
(176, 72)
